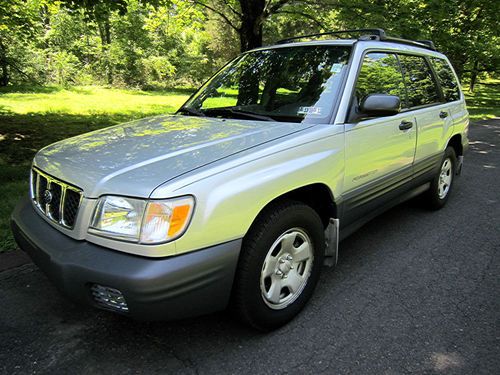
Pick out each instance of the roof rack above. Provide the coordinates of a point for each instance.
(373, 34)
(377, 33)
(428, 43)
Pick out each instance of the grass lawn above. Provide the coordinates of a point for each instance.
(33, 117)
(484, 103)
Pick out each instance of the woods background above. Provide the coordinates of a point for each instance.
(169, 43)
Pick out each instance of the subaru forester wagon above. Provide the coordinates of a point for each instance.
(242, 196)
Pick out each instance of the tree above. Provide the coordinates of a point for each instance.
(464, 30)
(247, 17)
(151, 43)
(468, 33)
(100, 11)
(16, 28)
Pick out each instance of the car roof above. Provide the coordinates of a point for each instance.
(363, 44)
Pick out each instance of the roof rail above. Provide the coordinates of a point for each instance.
(421, 43)
(373, 34)
(428, 43)
(379, 33)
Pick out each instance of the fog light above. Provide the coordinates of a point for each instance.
(109, 298)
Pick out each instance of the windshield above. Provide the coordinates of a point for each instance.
(292, 84)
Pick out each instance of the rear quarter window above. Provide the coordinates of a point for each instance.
(447, 80)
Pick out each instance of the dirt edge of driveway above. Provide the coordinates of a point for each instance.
(13, 259)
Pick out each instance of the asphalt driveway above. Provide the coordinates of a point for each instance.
(414, 292)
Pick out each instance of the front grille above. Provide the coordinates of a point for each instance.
(71, 205)
(55, 199)
(54, 206)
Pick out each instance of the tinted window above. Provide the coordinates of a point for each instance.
(380, 74)
(447, 79)
(420, 84)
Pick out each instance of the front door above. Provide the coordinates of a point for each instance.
(379, 151)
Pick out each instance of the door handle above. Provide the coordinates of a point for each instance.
(443, 114)
(405, 125)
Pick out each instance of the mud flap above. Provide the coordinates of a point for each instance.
(460, 163)
(332, 242)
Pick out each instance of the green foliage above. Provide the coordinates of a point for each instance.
(466, 31)
(162, 43)
(134, 43)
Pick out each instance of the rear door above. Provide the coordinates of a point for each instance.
(379, 151)
(451, 92)
(433, 116)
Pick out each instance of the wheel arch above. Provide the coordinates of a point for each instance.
(318, 196)
(456, 143)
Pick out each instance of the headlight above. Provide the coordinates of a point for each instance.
(137, 220)
(166, 220)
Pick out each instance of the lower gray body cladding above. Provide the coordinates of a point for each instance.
(155, 289)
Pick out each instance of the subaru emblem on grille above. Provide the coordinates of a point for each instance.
(47, 196)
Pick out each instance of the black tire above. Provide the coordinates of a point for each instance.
(248, 300)
(432, 196)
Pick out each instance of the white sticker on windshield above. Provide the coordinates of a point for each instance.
(309, 110)
(336, 68)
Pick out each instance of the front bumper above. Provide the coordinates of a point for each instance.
(170, 288)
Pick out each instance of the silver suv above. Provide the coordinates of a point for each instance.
(242, 196)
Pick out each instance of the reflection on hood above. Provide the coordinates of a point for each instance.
(134, 158)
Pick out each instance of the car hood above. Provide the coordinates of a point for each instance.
(134, 158)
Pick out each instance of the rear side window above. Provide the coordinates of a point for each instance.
(380, 74)
(420, 84)
(447, 80)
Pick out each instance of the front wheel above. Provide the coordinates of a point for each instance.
(279, 265)
(441, 185)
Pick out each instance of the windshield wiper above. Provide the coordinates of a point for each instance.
(191, 111)
(238, 112)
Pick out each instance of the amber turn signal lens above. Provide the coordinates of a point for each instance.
(166, 220)
(178, 220)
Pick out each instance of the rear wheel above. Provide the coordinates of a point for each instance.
(441, 185)
(279, 265)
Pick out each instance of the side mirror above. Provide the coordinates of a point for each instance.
(376, 105)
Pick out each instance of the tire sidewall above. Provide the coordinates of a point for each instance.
(437, 202)
(297, 216)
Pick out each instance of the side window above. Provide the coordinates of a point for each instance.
(380, 74)
(447, 79)
(420, 84)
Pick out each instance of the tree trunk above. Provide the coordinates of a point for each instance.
(473, 76)
(105, 34)
(251, 24)
(248, 38)
(4, 66)
(4, 79)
